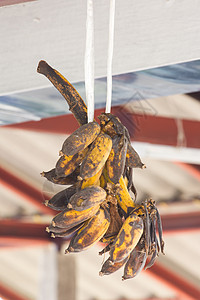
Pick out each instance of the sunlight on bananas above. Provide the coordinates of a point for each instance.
(98, 203)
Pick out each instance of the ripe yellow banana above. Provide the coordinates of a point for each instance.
(127, 238)
(96, 156)
(94, 180)
(124, 199)
(91, 232)
(67, 164)
(117, 158)
(70, 218)
(109, 268)
(87, 197)
(80, 138)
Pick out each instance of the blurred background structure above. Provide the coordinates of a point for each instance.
(156, 94)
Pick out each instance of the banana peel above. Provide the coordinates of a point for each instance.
(91, 232)
(96, 157)
(127, 238)
(80, 139)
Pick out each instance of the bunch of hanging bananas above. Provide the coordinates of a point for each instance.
(96, 161)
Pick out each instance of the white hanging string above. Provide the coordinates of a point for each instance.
(110, 55)
(89, 61)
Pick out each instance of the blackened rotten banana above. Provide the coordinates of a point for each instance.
(109, 267)
(135, 263)
(60, 200)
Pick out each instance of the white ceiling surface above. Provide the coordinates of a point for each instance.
(147, 34)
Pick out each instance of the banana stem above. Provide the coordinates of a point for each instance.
(76, 104)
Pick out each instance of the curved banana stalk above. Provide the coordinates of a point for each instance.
(91, 232)
(76, 104)
(80, 138)
(127, 238)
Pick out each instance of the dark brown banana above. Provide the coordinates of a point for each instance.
(86, 198)
(68, 180)
(132, 158)
(66, 165)
(60, 200)
(109, 267)
(111, 125)
(69, 218)
(135, 264)
(80, 138)
(115, 222)
(96, 156)
(55, 229)
(116, 161)
(91, 232)
(127, 238)
(66, 233)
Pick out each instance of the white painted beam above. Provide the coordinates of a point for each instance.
(147, 34)
(168, 153)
